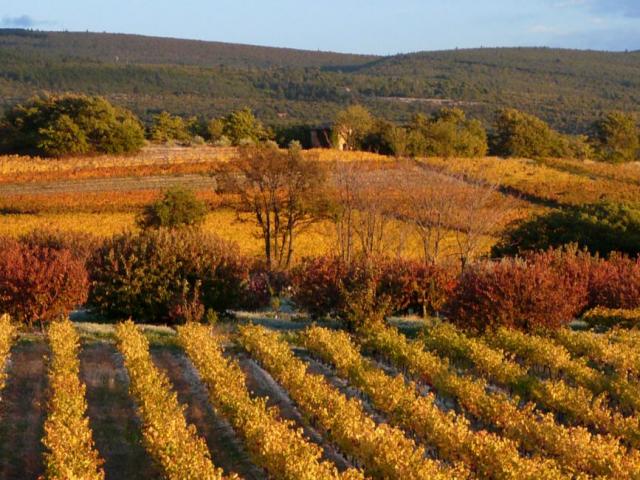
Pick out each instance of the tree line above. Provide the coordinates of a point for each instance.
(73, 124)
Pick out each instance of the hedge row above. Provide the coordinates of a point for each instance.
(171, 276)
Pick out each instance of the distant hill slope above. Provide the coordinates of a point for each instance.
(127, 49)
(568, 88)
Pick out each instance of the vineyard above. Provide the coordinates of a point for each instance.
(313, 402)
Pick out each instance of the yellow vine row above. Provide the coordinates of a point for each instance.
(576, 403)
(7, 335)
(624, 358)
(488, 455)
(274, 444)
(573, 447)
(535, 351)
(384, 451)
(71, 452)
(624, 336)
(173, 444)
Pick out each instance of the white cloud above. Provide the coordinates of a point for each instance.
(21, 21)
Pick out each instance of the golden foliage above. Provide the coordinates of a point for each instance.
(486, 454)
(274, 444)
(384, 451)
(7, 335)
(173, 444)
(574, 448)
(71, 452)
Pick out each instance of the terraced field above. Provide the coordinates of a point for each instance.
(309, 402)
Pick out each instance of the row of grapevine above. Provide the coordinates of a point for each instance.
(576, 403)
(274, 444)
(486, 454)
(535, 351)
(622, 357)
(71, 452)
(384, 451)
(173, 444)
(7, 335)
(573, 447)
(624, 336)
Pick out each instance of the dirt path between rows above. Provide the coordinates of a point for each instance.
(112, 415)
(261, 383)
(23, 411)
(226, 448)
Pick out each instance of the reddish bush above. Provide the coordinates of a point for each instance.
(315, 285)
(81, 245)
(545, 290)
(264, 285)
(320, 285)
(413, 285)
(38, 284)
(615, 283)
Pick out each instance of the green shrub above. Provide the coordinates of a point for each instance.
(177, 208)
(600, 228)
(242, 127)
(70, 125)
(161, 275)
(617, 138)
(168, 128)
(448, 133)
(517, 134)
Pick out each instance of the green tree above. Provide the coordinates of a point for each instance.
(517, 134)
(177, 208)
(215, 129)
(242, 126)
(352, 126)
(58, 125)
(616, 138)
(63, 137)
(450, 134)
(169, 128)
(601, 228)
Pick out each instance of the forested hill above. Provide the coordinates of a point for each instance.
(123, 49)
(568, 88)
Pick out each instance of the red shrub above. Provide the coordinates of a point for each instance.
(412, 285)
(320, 284)
(38, 284)
(81, 245)
(615, 283)
(315, 285)
(545, 290)
(263, 285)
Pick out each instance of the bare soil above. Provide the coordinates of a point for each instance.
(226, 448)
(112, 415)
(260, 383)
(23, 411)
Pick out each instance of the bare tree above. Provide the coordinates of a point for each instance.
(284, 193)
(428, 204)
(481, 208)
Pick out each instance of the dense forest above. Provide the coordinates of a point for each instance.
(567, 88)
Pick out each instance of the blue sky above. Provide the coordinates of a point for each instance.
(359, 26)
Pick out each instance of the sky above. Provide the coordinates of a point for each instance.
(358, 26)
